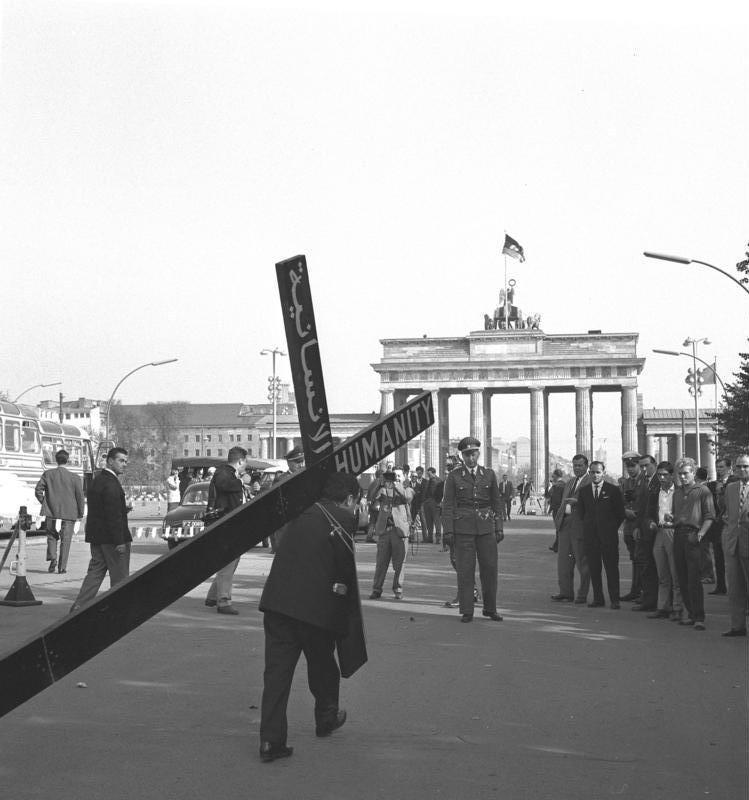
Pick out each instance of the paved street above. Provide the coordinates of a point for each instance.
(555, 702)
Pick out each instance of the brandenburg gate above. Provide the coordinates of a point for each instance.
(513, 361)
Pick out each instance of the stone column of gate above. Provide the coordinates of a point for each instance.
(386, 407)
(264, 447)
(443, 411)
(432, 437)
(477, 414)
(537, 439)
(629, 418)
(582, 420)
(400, 457)
(486, 434)
(679, 449)
(707, 456)
(649, 446)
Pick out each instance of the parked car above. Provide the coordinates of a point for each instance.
(186, 521)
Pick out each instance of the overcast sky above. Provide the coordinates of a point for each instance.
(158, 158)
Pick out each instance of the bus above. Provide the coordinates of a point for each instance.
(27, 447)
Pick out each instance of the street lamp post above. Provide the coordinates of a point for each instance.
(273, 386)
(682, 260)
(122, 380)
(696, 389)
(36, 386)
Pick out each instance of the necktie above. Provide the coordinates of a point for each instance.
(744, 485)
(596, 492)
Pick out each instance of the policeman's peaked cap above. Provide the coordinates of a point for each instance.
(469, 443)
(295, 454)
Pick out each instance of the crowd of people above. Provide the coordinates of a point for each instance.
(681, 532)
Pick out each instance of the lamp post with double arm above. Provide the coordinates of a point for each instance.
(273, 388)
(682, 260)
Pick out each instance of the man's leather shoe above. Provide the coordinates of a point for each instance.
(492, 615)
(210, 603)
(734, 632)
(659, 615)
(641, 607)
(686, 622)
(52, 566)
(629, 597)
(61, 571)
(699, 626)
(562, 598)
(227, 610)
(326, 728)
(596, 604)
(375, 595)
(718, 591)
(616, 605)
(467, 618)
(270, 752)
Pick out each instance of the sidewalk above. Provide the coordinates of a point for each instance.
(554, 703)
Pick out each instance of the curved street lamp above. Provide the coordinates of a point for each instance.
(682, 260)
(122, 380)
(36, 386)
(273, 390)
(691, 355)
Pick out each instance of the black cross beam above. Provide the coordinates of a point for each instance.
(69, 643)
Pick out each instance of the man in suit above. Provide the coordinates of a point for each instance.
(736, 546)
(472, 516)
(570, 548)
(60, 493)
(226, 493)
(525, 487)
(506, 493)
(714, 535)
(601, 508)
(306, 602)
(107, 530)
(392, 529)
(649, 487)
(419, 484)
(431, 506)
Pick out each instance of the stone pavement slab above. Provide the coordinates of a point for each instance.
(554, 702)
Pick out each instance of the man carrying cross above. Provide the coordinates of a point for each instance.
(306, 602)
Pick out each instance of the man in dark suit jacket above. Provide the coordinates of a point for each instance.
(735, 535)
(107, 529)
(61, 494)
(601, 508)
(525, 487)
(306, 601)
(506, 493)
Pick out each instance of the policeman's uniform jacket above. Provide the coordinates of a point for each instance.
(471, 506)
(310, 559)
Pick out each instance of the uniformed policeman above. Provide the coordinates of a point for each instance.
(472, 514)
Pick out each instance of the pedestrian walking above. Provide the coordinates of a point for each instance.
(60, 493)
(306, 602)
(392, 530)
(107, 530)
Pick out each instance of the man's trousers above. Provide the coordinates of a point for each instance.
(603, 550)
(571, 554)
(285, 639)
(67, 528)
(737, 577)
(688, 557)
(469, 548)
(220, 588)
(104, 558)
(669, 594)
(390, 547)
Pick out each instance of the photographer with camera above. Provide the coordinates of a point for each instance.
(392, 529)
(225, 493)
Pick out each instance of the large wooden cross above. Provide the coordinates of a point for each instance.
(69, 643)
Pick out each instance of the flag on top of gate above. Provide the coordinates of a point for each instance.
(513, 249)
